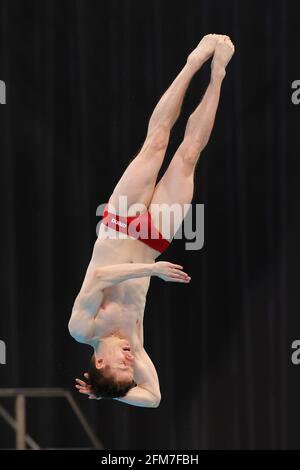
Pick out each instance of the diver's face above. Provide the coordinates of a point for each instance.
(116, 354)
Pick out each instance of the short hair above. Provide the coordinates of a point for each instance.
(104, 385)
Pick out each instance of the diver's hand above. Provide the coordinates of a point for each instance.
(85, 388)
(170, 272)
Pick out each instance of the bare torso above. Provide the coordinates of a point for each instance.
(122, 308)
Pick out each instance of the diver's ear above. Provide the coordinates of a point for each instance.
(99, 363)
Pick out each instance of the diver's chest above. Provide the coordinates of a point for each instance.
(130, 293)
(114, 316)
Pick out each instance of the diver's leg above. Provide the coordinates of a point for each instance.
(139, 179)
(177, 184)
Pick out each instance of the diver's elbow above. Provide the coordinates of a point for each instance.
(156, 402)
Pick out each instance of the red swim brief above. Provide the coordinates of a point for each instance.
(139, 227)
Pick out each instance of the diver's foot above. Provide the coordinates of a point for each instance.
(203, 51)
(224, 50)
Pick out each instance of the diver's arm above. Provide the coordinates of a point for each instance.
(147, 391)
(86, 306)
(110, 275)
(139, 396)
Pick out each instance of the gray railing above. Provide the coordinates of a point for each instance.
(18, 424)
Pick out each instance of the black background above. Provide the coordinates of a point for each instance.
(82, 79)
